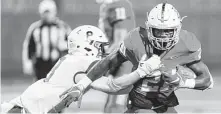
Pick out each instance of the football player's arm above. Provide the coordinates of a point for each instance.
(112, 60)
(119, 80)
(106, 84)
(203, 78)
(118, 84)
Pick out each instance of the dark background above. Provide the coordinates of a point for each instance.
(204, 20)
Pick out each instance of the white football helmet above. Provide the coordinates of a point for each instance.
(88, 40)
(163, 24)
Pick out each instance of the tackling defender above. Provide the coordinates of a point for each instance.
(85, 45)
(164, 37)
(116, 18)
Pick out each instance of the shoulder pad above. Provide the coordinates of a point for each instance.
(131, 37)
(190, 40)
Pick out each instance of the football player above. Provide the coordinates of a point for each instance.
(45, 42)
(116, 18)
(85, 46)
(162, 36)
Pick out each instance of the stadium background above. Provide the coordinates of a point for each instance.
(204, 20)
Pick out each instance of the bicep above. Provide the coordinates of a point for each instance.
(198, 67)
(124, 68)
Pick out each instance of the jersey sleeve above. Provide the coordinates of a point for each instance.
(194, 47)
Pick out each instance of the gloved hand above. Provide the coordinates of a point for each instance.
(146, 67)
(75, 93)
(182, 77)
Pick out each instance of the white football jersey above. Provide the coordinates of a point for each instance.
(44, 94)
(62, 74)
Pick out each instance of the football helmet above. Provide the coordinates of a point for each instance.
(163, 25)
(88, 40)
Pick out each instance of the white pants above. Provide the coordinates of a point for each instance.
(40, 97)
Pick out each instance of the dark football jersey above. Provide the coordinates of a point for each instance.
(187, 50)
(119, 12)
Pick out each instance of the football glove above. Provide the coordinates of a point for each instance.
(145, 68)
(75, 93)
(180, 77)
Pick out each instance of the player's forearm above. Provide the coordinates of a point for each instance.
(101, 84)
(108, 85)
(127, 79)
(116, 84)
(104, 65)
(203, 81)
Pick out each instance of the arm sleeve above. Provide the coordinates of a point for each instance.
(194, 46)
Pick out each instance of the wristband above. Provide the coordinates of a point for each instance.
(190, 83)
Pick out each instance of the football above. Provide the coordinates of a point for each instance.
(185, 72)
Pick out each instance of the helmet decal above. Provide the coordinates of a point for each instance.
(86, 39)
(162, 13)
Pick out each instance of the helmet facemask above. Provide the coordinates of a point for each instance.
(163, 26)
(101, 47)
(163, 39)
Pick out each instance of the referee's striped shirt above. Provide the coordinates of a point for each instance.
(46, 41)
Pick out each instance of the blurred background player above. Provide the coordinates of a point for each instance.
(116, 18)
(45, 42)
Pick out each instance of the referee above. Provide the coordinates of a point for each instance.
(45, 41)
